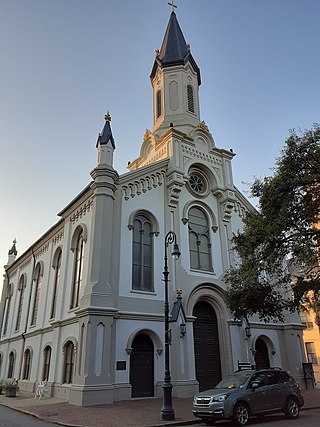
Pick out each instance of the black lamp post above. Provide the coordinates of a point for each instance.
(167, 411)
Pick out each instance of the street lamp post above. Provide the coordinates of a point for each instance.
(167, 411)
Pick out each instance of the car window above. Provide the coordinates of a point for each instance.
(285, 377)
(259, 378)
(273, 377)
(234, 380)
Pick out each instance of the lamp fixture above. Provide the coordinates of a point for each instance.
(175, 252)
(183, 330)
(247, 331)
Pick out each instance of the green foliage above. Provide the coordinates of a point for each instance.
(11, 384)
(278, 247)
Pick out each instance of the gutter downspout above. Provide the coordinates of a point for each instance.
(27, 319)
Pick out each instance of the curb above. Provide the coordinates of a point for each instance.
(177, 423)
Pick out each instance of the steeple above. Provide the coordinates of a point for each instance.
(106, 135)
(12, 253)
(105, 143)
(175, 78)
(174, 46)
(174, 49)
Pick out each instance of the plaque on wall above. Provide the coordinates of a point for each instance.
(121, 365)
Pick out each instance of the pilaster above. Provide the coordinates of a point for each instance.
(94, 368)
(98, 291)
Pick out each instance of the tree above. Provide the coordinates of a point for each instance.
(278, 249)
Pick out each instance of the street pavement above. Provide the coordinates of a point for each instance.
(132, 413)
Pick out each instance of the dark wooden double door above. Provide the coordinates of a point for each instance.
(261, 357)
(206, 346)
(142, 367)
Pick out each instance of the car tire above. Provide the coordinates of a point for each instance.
(292, 408)
(241, 414)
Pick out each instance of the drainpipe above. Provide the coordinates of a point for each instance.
(27, 319)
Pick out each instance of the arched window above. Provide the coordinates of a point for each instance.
(142, 254)
(78, 270)
(199, 240)
(158, 103)
(190, 98)
(46, 363)
(68, 362)
(27, 365)
(7, 312)
(57, 269)
(11, 364)
(21, 297)
(38, 283)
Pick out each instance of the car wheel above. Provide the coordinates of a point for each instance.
(241, 414)
(292, 408)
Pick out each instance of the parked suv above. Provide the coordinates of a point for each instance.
(247, 393)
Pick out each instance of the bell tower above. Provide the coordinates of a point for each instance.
(175, 79)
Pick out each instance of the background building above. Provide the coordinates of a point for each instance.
(311, 337)
(82, 308)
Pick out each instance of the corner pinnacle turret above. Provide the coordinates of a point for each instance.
(12, 253)
(106, 135)
(105, 143)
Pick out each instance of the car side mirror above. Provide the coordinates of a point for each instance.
(255, 385)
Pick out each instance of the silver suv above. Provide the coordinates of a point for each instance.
(247, 393)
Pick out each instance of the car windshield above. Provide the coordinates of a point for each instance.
(234, 380)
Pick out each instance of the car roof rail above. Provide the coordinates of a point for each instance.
(271, 368)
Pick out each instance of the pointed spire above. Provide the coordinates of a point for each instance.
(106, 135)
(105, 143)
(12, 253)
(174, 46)
(174, 49)
(13, 250)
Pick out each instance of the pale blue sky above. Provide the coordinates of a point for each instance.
(64, 63)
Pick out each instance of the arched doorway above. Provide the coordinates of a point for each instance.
(261, 357)
(142, 367)
(206, 346)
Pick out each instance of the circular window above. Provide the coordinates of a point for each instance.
(198, 182)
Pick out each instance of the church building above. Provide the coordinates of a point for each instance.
(83, 308)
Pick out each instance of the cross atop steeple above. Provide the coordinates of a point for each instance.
(172, 6)
(107, 117)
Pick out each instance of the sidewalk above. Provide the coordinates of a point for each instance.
(132, 413)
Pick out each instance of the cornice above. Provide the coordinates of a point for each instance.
(243, 201)
(81, 211)
(54, 235)
(96, 311)
(189, 150)
(127, 315)
(143, 180)
(37, 331)
(144, 170)
(66, 322)
(160, 147)
(77, 201)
